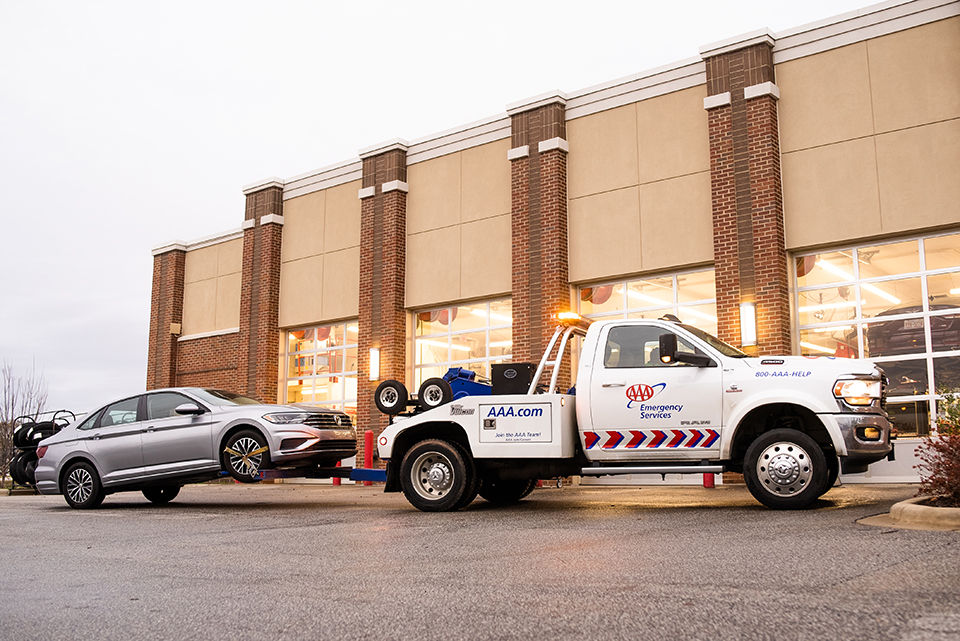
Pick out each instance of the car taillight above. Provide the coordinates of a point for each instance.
(41, 451)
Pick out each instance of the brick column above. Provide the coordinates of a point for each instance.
(166, 315)
(748, 238)
(538, 170)
(259, 338)
(383, 250)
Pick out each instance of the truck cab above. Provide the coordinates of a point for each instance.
(652, 396)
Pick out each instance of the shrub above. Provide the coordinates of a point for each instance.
(939, 454)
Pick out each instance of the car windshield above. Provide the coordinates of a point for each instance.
(223, 397)
(724, 348)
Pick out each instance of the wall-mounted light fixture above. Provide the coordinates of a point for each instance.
(374, 364)
(748, 324)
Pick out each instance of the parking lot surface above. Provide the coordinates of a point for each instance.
(319, 562)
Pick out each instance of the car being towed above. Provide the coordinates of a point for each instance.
(158, 441)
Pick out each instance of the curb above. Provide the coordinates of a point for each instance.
(911, 515)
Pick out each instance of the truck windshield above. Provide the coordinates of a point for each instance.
(724, 348)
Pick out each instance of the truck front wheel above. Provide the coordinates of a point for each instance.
(785, 469)
(435, 475)
(506, 492)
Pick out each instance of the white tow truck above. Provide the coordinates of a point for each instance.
(651, 396)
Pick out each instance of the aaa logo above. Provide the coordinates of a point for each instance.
(642, 392)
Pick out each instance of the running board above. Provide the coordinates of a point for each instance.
(675, 469)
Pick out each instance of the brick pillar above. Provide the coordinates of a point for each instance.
(259, 338)
(538, 170)
(748, 238)
(383, 250)
(166, 315)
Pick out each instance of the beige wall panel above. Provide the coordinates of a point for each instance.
(301, 291)
(830, 194)
(227, 315)
(341, 284)
(485, 176)
(486, 257)
(603, 151)
(200, 264)
(825, 98)
(303, 226)
(676, 222)
(230, 257)
(915, 75)
(342, 216)
(919, 170)
(604, 235)
(434, 197)
(672, 135)
(433, 267)
(199, 307)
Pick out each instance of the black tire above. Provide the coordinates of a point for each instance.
(81, 486)
(21, 436)
(161, 495)
(833, 471)
(391, 397)
(473, 478)
(508, 492)
(18, 469)
(435, 476)
(434, 392)
(785, 469)
(245, 454)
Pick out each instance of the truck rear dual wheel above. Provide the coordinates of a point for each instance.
(438, 476)
(785, 469)
(506, 492)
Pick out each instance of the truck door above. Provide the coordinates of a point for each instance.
(642, 407)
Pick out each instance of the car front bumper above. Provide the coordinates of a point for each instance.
(861, 453)
(308, 444)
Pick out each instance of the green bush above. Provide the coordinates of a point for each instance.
(939, 454)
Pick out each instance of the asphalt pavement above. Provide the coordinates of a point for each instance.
(319, 562)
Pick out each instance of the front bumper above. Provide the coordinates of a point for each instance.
(861, 453)
(312, 444)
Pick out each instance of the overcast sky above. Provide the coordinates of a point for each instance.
(124, 125)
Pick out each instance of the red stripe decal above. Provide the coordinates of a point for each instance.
(678, 437)
(658, 438)
(638, 438)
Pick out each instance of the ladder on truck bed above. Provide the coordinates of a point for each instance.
(561, 334)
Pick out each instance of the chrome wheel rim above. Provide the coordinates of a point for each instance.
(432, 475)
(389, 397)
(246, 457)
(80, 485)
(433, 395)
(784, 469)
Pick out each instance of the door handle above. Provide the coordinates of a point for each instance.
(95, 437)
(150, 429)
(613, 385)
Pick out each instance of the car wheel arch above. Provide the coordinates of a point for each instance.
(67, 463)
(240, 426)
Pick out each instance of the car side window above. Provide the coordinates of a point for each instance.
(639, 346)
(164, 404)
(120, 413)
(89, 421)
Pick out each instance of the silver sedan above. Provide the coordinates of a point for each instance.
(158, 441)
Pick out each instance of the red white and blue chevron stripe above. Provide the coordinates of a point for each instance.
(634, 439)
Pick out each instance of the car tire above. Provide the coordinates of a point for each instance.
(18, 469)
(833, 471)
(161, 495)
(81, 486)
(434, 392)
(435, 475)
(473, 487)
(245, 454)
(507, 492)
(785, 469)
(391, 397)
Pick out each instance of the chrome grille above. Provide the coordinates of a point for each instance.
(328, 419)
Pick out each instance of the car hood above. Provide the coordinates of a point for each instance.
(826, 366)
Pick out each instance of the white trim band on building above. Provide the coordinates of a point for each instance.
(534, 102)
(384, 147)
(716, 100)
(271, 218)
(249, 223)
(760, 36)
(260, 185)
(177, 245)
(367, 192)
(394, 185)
(518, 152)
(218, 332)
(199, 243)
(553, 143)
(762, 89)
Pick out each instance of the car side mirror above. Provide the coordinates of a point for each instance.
(670, 354)
(188, 409)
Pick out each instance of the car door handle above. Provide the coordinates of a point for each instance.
(95, 437)
(613, 384)
(150, 429)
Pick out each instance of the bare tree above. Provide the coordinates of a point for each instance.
(19, 396)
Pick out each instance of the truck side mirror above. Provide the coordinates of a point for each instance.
(670, 354)
(668, 348)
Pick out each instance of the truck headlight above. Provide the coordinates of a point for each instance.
(857, 391)
(286, 418)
